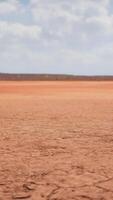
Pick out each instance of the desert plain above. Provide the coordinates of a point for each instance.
(56, 140)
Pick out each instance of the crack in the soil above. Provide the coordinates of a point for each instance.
(52, 193)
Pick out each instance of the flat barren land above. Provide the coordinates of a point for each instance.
(56, 140)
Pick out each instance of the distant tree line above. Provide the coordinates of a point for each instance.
(51, 77)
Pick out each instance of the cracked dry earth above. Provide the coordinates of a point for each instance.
(56, 140)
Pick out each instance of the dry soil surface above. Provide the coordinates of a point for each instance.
(56, 140)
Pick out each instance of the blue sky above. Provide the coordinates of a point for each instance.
(56, 36)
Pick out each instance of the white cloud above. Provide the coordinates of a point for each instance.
(102, 24)
(64, 19)
(8, 6)
(72, 36)
(19, 30)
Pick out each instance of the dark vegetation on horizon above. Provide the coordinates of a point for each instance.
(51, 77)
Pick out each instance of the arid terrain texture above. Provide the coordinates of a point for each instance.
(56, 140)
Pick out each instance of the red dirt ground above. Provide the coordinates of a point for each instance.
(56, 140)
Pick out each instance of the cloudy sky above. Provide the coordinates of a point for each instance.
(56, 36)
